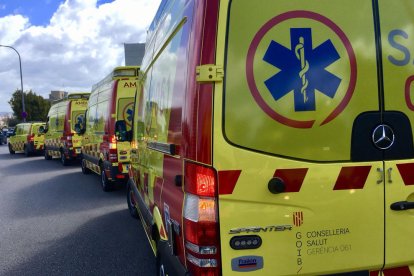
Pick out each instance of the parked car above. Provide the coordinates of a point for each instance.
(10, 131)
(3, 138)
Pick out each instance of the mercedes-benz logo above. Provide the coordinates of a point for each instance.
(383, 137)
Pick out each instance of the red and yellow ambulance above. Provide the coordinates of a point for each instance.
(276, 138)
(104, 150)
(61, 140)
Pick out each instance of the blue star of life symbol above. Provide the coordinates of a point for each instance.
(130, 114)
(302, 69)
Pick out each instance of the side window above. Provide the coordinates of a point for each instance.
(158, 92)
(19, 130)
(27, 129)
(101, 111)
(91, 117)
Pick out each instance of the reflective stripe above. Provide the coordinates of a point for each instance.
(406, 171)
(352, 178)
(293, 178)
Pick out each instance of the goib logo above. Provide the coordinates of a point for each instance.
(301, 69)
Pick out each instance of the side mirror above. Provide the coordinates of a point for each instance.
(121, 132)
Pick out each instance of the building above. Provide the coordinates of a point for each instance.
(57, 95)
(134, 53)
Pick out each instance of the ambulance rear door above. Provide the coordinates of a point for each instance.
(395, 135)
(300, 102)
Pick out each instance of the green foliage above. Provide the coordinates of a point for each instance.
(12, 122)
(36, 106)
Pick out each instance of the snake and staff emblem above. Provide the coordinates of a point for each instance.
(304, 64)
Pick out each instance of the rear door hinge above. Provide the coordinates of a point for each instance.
(209, 73)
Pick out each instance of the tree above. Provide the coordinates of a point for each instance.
(12, 121)
(36, 106)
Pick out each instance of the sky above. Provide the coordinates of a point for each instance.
(66, 45)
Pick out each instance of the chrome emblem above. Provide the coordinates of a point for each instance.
(383, 137)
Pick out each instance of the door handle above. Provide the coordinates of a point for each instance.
(389, 175)
(402, 205)
(381, 171)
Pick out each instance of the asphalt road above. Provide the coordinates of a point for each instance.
(56, 221)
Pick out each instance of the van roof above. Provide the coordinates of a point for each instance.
(74, 96)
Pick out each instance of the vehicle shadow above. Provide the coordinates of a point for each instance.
(64, 193)
(33, 164)
(112, 244)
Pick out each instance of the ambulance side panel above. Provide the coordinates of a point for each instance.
(165, 122)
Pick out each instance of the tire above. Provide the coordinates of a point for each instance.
(105, 183)
(131, 201)
(11, 151)
(47, 156)
(85, 170)
(63, 159)
(27, 152)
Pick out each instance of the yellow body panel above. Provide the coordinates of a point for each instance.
(269, 126)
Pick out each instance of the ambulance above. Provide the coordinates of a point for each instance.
(276, 138)
(61, 140)
(27, 138)
(104, 149)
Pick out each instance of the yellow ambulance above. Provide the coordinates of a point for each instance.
(27, 138)
(276, 138)
(61, 140)
(104, 150)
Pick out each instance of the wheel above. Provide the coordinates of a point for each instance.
(47, 156)
(26, 151)
(105, 183)
(132, 204)
(11, 151)
(63, 159)
(85, 170)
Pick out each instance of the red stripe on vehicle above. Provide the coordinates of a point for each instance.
(398, 271)
(293, 178)
(352, 178)
(227, 181)
(406, 171)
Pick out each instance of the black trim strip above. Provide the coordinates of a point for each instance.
(162, 147)
(380, 66)
(145, 212)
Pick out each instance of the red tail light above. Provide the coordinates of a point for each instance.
(201, 231)
(69, 141)
(30, 138)
(113, 152)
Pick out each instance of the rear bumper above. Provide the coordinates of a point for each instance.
(114, 173)
(73, 153)
(33, 149)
